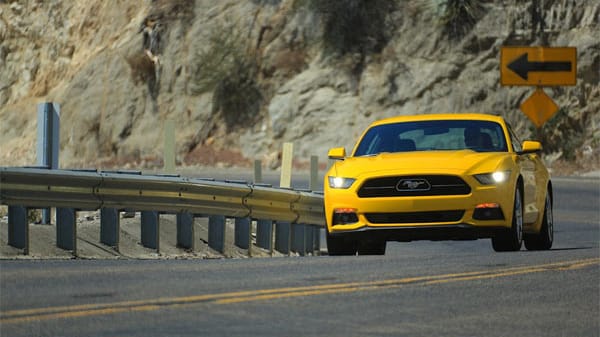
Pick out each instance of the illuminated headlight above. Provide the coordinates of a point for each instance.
(339, 182)
(493, 178)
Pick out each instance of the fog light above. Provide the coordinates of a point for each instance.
(488, 211)
(488, 205)
(342, 216)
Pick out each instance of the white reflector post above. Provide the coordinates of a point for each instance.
(286, 165)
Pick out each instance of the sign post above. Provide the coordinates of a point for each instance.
(48, 131)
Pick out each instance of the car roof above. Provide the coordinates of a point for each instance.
(445, 116)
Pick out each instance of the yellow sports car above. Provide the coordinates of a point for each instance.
(438, 177)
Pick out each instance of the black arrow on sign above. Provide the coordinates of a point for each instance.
(521, 66)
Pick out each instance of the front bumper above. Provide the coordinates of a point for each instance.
(439, 217)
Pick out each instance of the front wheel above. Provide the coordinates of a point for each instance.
(337, 246)
(544, 239)
(513, 239)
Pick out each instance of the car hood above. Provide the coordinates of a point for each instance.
(421, 162)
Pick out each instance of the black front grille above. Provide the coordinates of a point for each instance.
(408, 186)
(415, 217)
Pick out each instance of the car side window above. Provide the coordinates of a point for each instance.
(516, 143)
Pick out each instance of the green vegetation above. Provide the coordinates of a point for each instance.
(34, 216)
(458, 17)
(228, 69)
(353, 26)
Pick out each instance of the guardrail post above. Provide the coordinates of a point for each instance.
(216, 233)
(264, 234)
(310, 239)
(282, 237)
(150, 230)
(110, 227)
(66, 229)
(299, 239)
(48, 128)
(18, 228)
(317, 232)
(185, 230)
(242, 232)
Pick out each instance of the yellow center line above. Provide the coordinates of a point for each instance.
(37, 314)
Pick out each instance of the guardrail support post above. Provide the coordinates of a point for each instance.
(264, 234)
(299, 239)
(310, 239)
(48, 129)
(150, 230)
(185, 230)
(216, 233)
(18, 228)
(282, 237)
(110, 227)
(242, 232)
(66, 229)
(317, 232)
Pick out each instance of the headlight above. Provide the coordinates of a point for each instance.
(339, 182)
(492, 178)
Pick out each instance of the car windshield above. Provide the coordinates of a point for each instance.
(441, 135)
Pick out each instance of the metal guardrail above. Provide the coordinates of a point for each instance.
(85, 190)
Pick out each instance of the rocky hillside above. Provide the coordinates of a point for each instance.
(239, 78)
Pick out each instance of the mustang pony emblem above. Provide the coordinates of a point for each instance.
(413, 185)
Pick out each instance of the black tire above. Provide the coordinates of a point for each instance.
(512, 239)
(544, 239)
(337, 246)
(373, 247)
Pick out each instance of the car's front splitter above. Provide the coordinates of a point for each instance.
(414, 233)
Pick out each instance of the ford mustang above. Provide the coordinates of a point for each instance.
(438, 177)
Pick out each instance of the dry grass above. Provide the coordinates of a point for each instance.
(142, 68)
(290, 62)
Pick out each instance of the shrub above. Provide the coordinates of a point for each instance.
(228, 69)
(237, 96)
(353, 26)
(143, 70)
(458, 17)
(34, 216)
(169, 10)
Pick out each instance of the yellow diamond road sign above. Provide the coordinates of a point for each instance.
(538, 66)
(539, 107)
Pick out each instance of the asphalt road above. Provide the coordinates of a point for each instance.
(417, 289)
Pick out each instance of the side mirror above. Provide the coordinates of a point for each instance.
(337, 153)
(531, 146)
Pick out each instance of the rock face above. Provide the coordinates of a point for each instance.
(246, 76)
